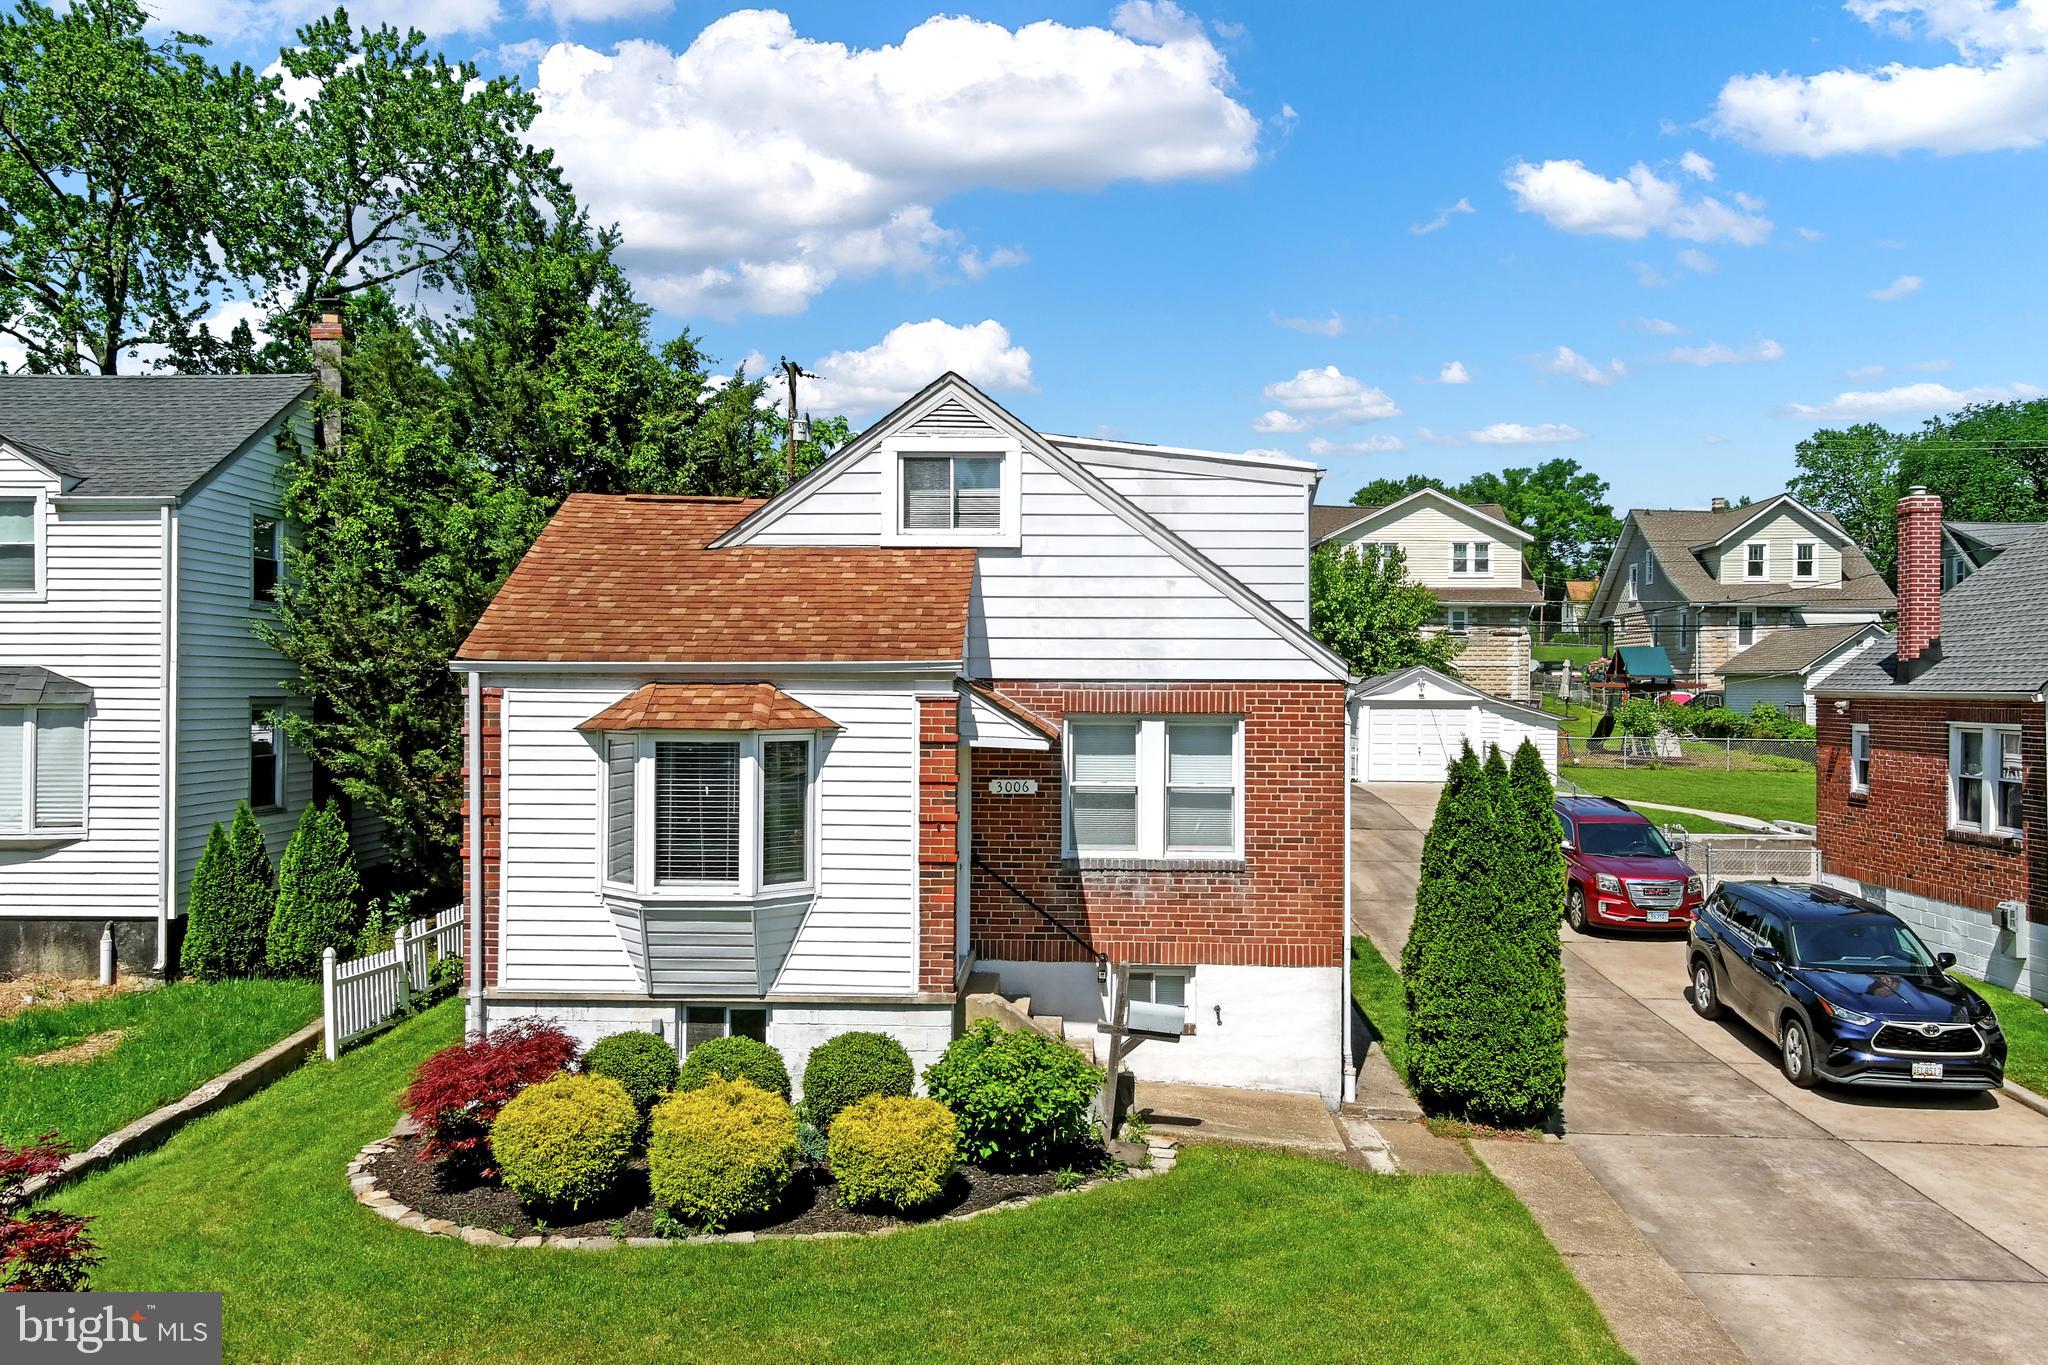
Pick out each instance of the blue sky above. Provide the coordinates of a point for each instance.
(1106, 218)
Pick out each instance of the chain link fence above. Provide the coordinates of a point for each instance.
(1747, 857)
(1684, 751)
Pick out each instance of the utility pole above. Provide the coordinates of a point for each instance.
(793, 372)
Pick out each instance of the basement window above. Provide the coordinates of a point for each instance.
(702, 1023)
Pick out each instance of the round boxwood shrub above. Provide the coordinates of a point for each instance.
(1021, 1098)
(721, 1151)
(641, 1062)
(735, 1059)
(563, 1142)
(852, 1067)
(893, 1150)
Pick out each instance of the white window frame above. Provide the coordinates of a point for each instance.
(1632, 582)
(267, 708)
(1649, 567)
(1763, 563)
(1458, 620)
(276, 519)
(1988, 782)
(1150, 995)
(1657, 629)
(1741, 627)
(683, 1047)
(1151, 811)
(748, 885)
(1009, 495)
(29, 828)
(1810, 551)
(1474, 551)
(41, 520)
(1684, 631)
(1859, 758)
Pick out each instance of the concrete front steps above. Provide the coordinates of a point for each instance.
(984, 999)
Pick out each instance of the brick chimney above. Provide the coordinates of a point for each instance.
(326, 337)
(1919, 572)
(1718, 505)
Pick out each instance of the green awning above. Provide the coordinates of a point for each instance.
(1644, 662)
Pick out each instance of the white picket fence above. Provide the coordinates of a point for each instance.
(364, 994)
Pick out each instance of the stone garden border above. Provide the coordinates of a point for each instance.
(1163, 1153)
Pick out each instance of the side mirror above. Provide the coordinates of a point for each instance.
(1944, 960)
(1764, 952)
(1565, 844)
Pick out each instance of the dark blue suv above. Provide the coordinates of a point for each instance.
(1847, 991)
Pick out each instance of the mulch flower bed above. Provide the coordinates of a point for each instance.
(810, 1205)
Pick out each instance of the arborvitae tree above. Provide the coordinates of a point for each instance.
(316, 895)
(252, 890)
(208, 952)
(1435, 937)
(1537, 1065)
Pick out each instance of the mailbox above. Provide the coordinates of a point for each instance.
(1142, 1016)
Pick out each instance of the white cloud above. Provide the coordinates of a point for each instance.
(1922, 397)
(1898, 289)
(757, 166)
(1437, 438)
(1994, 96)
(523, 55)
(976, 266)
(1517, 434)
(1648, 276)
(1328, 397)
(1810, 234)
(1716, 353)
(1865, 373)
(1695, 260)
(1713, 440)
(1697, 166)
(1442, 219)
(1658, 327)
(1565, 361)
(1331, 326)
(1273, 421)
(911, 356)
(1371, 445)
(1454, 372)
(1268, 450)
(1573, 199)
(567, 12)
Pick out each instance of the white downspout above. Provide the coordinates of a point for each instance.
(473, 1022)
(167, 895)
(1348, 1081)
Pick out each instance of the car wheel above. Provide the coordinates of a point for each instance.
(1795, 1047)
(1575, 909)
(1706, 1001)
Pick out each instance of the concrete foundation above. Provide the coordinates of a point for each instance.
(68, 946)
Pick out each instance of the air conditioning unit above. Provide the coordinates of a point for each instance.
(2011, 918)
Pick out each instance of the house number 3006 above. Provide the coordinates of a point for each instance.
(1013, 786)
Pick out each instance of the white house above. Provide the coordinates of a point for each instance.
(1786, 667)
(141, 535)
(1470, 556)
(968, 710)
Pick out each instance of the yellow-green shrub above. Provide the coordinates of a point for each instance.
(721, 1151)
(892, 1149)
(564, 1141)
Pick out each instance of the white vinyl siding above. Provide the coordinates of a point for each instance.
(1429, 533)
(1786, 691)
(1781, 534)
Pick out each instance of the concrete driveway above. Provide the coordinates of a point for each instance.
(1814, 1225)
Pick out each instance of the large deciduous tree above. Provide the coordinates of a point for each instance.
(1383, 491)
(1854, 474)
(1564, 508)
(1363, 608)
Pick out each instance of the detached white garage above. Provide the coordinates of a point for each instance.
(1409, 726)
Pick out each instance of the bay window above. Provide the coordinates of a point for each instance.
(1985, 779)
(42, 769)
(714, 815)
(1168, 787)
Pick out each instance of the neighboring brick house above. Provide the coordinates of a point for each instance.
(1470, 556)
(1707, 585)
(966, 702)
(1932, 761)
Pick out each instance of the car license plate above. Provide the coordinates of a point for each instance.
(1660, 917)
(1927, 1071)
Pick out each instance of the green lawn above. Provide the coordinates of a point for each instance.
(1764, 795)
(1687, 821)
(1235, 1255)
(172, 1040)
(2026, 1033)
(1376, 988)
(1578, 656)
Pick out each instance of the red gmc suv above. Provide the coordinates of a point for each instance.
(1623, 874)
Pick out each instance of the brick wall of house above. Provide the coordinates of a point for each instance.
(1282, 907)
(491, 824)
(1897, 835)
(938, 827)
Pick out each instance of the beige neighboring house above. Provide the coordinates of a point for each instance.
(1708, 585)
(1470, 556)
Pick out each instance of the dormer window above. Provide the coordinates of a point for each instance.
(1756, 559)
(952, 493)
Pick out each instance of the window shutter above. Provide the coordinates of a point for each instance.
(618, 808)
(927, 495)
(785, 782)
(60, 767)
(978, 493)
(13, 750)
(17, 544)
(696, 812)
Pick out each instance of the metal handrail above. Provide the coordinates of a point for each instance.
(1101, 958)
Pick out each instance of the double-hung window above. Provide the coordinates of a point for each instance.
(1632, 573)
(266, 758)
(1859, 758)
(1985, 779)
(717, 814)
(1473, 558)
(1649, 567)
(42, 769)
(952, 492)
(1684, 631)
(1656, 629)
(266, 556)
(1745, 628)
(20, 571)
(1756, 559)
(1805, 559)
(1460, 619)
(1169, 787)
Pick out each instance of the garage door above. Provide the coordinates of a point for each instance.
(1411, 742)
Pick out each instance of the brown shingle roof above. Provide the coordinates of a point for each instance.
(708, 706)
(1326, 521)
(1673, 532)
(1789, 651)
(629, 580)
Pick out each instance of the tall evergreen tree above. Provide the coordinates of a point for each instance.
(318, 895)
(209, 952)
(251, 890)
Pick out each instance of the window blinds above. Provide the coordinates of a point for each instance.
(1104, 797)
(13, 753)
(977, 496)
(1201, 779)
(952, 492)
(928, 495)
(696, 812)
(60, 767)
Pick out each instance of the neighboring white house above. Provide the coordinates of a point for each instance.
(1409, 725)
(1470, 556)
(141, 535)
(1786, 666)
(968, 710)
